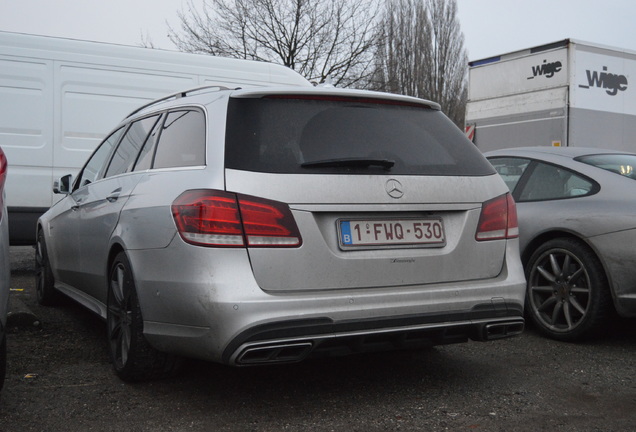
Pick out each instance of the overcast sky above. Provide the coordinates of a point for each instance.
(490, 27)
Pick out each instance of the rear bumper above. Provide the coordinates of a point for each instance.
(294, 341)
(616, 251)
(208, 306)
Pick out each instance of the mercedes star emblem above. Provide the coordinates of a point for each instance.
(394, 189)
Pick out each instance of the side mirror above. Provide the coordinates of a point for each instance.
(63, 185)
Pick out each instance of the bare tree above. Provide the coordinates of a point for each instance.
(146, 41)
(320, 39)
(421, 53)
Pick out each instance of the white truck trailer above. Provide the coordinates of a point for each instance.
(60, 97)
(567, 93)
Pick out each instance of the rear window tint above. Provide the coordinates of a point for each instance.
(182, 140)
(279, 135)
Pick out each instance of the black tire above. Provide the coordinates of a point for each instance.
(132, 356)
(45, 291)
(567, 296)
(3, 360)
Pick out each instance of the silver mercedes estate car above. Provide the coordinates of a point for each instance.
(269, 225)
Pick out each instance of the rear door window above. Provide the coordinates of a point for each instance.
(144, 160)
(126, 154)
(317, 135)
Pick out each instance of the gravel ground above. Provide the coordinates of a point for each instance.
(59, 379)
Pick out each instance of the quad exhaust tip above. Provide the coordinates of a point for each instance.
(503, 329)
(282, 353)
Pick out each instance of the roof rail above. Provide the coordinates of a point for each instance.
(175, 96)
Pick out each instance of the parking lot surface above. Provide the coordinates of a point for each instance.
(59, 379)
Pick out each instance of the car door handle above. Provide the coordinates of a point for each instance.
(114, 195)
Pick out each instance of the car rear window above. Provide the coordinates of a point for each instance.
(318, 135)
(622, 164)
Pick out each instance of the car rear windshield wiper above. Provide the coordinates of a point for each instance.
(350, 162)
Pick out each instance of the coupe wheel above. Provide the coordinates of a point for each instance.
(132, 356)
(567, 293)
(46, 293)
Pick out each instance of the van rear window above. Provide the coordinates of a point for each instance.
(323, 135)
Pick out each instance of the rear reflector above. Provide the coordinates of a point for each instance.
(216, 218)
(498, 219)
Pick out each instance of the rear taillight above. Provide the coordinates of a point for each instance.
(216, 218)
(268, 223)
(498, 219)
(3, 177)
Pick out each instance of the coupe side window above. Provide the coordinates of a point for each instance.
(549, 182)
(182, 140)
(510, 170)
(93, 167)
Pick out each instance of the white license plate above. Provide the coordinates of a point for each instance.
(391, 232)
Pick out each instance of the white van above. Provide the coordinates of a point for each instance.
(60, 97)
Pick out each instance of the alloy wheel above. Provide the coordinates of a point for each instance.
(559, 290)
(120, 316)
